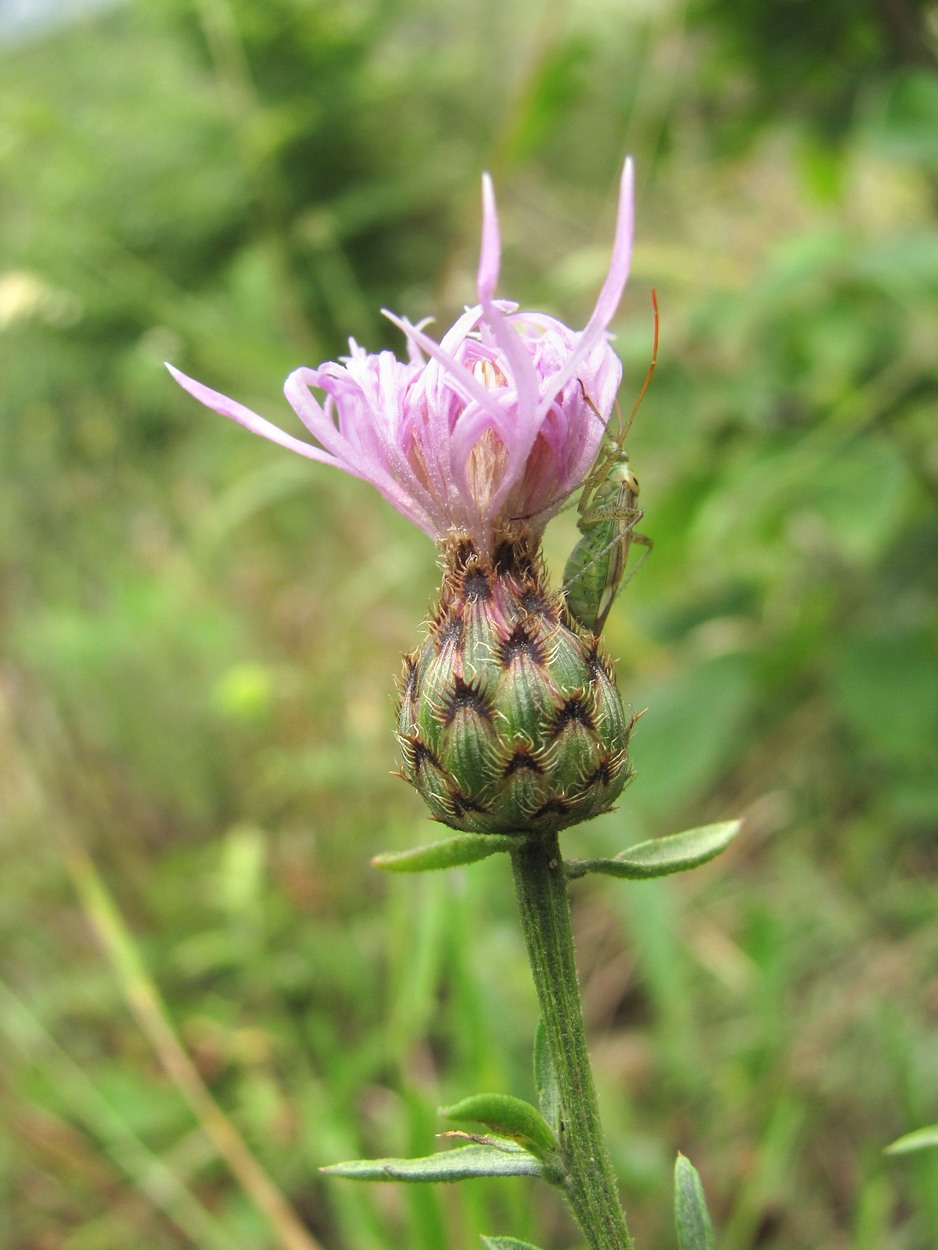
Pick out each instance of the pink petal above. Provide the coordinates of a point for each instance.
(244, 416)
(370, 463)
(516, 354)
(491, 250)
(612, 288)
(462, 379)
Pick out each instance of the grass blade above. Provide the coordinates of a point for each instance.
(144, 1000)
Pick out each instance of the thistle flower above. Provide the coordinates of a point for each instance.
(509, 717)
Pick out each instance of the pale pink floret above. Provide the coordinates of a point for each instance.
(489, 426)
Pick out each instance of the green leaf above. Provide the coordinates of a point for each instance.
(465, 848)
(506, 1243)
(508, 1117)
(691, 1217)
(545, 1078)
(467, 1162)
(657, 858)
(920, 1139)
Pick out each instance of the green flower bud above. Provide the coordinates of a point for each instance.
(510, 720)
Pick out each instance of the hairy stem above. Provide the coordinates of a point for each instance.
(590, 1185)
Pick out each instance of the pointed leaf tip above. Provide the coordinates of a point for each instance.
(659, 857)
(509, 1117)
(918, 1139)
(691, 1217)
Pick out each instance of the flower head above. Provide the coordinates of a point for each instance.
(480, 435)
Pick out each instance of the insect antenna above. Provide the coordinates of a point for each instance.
(605, 460)
(624, 429)
(648, 376)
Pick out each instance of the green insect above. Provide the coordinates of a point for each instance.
(608, 515)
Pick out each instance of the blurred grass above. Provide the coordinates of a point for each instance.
(200, 633)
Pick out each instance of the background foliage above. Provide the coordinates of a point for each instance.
(200, 631)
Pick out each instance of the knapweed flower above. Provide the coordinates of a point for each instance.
(509, 718)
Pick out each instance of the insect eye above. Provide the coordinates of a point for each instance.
(626, 477)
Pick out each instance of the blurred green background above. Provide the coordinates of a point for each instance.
(201, 632)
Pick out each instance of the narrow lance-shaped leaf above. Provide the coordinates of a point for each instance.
(919, 1139)
(509, 1117)
(505, 1159)
(691, 1217)
(545, 1079)
(506, 1243)
(465, 848)
(661, 856)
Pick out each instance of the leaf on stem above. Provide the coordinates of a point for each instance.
(506, 1243)
(659, 857)
(505, 1159)
(691, 1217)
(545, 1078)
(465, 848)
(508, 1117)
(919, 1139)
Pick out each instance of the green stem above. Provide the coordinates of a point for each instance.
(590, 1185)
